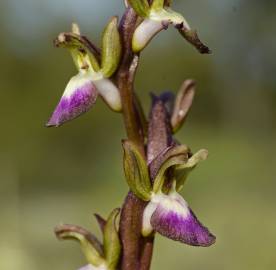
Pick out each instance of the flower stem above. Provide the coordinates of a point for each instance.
(137, 250)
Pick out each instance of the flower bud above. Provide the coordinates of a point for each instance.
(182, 104)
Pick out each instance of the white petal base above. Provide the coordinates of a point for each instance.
(110, 93)
(144, 33)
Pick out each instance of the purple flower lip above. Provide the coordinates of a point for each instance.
(172, 218)
(79, 96)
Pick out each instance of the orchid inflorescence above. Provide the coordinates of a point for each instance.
(156, 166)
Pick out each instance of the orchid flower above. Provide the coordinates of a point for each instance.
(99, 256)
(166, 212)
(93, 77)
(156, 17)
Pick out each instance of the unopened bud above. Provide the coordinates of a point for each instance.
(182, 104)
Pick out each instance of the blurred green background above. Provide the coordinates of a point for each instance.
(48, 176)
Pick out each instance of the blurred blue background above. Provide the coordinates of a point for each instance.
(48, 176)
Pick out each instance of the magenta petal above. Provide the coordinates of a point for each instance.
(175, 220)
(79, 96)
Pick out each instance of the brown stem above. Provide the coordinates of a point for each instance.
(132, 123)
(146, 252)
(137, 250)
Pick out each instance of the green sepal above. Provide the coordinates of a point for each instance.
(157, 5)
(111, 241)
(111, 48)
(141, 7)
(182, 104)
(177, 155)
(136, 171)
(101, 221)
(192, 37)
(91, 247)
(79, 48)
(181, 172)
(168, 16)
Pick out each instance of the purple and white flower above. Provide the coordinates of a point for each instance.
(171, 216)
(92, 79)
(81, 94)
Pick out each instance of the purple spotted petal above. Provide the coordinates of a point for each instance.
(175, 220)
(79, 96)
